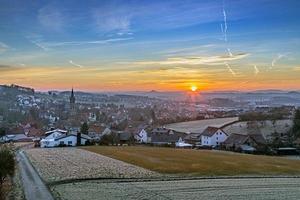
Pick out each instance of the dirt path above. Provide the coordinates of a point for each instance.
(34, 187)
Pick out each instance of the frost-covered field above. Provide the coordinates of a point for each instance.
(56, 164)
(262, 188)
(265, 127)
(199, 125)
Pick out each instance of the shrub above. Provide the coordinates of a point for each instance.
(7, 164)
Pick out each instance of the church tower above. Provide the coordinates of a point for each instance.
(72, 101)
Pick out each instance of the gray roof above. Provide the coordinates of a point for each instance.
(166, 138)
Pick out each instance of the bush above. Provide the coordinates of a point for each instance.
(7, 164)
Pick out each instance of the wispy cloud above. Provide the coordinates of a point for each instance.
(113, 17)
(256, 70)
(75, 64)
(230, 69)
(51, 18)
(224, 30)
(229, 52)
(39, 44)
(208, 60)
(276, 59)
(47, 45)
(3, 47)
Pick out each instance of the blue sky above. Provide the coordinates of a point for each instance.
(136, 35)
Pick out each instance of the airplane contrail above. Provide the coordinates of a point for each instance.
(256, 70)
(229, 52)
(75, 64)
(279, 56)
(230, 69)
(225, 24)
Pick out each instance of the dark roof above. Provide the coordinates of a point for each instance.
(258, 138)
(237, 139)
(124, 136)
(193, 136)
(167, 138)
(160, 130)
(210, 131)
(74, 135)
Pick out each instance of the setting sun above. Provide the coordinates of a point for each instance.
(194, 88)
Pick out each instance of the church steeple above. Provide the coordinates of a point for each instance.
(72, 98)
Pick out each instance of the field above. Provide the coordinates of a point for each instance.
(58, 164)
(265, 127)
(189, 162)
(199, 125)
(235, 189)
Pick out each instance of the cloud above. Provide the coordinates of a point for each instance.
(40, 45)
(229, 52)
(3, 47)
(230, 69)
(75, 64)
(277, 58)
(256, 70)
(224, 30)
(48, 45)
(209, 60)
(51, 18)
(113, 17)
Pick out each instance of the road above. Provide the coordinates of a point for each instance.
(237, 189)
(34, 187)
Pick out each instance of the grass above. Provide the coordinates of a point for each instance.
(199, 162)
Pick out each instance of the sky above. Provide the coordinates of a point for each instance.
(143, 45)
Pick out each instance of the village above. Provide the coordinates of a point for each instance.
(54, 122)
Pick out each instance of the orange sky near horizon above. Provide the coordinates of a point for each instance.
(179, 79)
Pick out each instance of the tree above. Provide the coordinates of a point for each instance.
(84, 128)
(2, 132)
(296, 126)
(7, 164)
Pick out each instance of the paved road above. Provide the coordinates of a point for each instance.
(236, 189)
(34, 188)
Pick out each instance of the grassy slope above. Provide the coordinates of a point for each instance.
(200, 162)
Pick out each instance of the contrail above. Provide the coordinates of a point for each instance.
(230, 69)
(279, 56)
(229, 52)
(256, 70)
(225, 24)
(75, 64)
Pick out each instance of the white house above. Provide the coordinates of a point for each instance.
(142, 136)
(71, 140)
(212, 136)
(59, 137)
(181, 144)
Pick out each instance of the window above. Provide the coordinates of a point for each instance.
(61, 142)
(217, 138)
(69, 142)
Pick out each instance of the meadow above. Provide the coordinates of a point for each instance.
(191, 162)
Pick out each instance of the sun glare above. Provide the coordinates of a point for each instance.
(194, 88)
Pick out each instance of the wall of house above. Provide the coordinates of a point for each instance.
(205, 140)
(71, 141)
(218, 138)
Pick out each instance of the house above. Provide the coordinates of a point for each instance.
(60, 137)
(125, 137)
(163, 136)
(193, 138)
(141, 135)
(71, 140)
(182, 144)
(245, 143)
(212, 136)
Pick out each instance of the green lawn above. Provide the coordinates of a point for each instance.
(199, 162)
